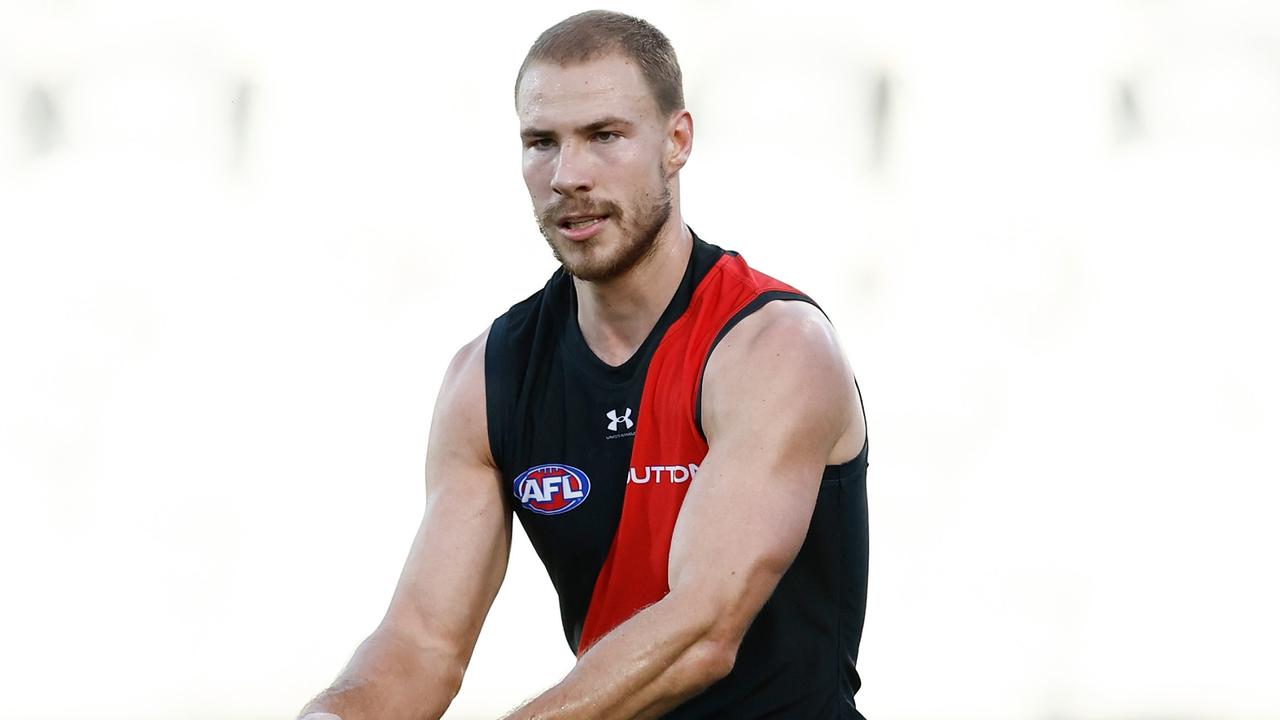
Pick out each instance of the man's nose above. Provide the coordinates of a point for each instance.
(573, 171)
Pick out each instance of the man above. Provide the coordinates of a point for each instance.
(687, 456)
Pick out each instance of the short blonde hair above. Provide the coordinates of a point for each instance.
(596, 33)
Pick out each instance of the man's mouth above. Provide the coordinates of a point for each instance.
(577, 228)
(580, 222)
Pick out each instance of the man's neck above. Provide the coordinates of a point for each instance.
(616, 316)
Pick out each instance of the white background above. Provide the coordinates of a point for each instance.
(240, 241)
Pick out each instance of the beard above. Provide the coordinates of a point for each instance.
(592, 260)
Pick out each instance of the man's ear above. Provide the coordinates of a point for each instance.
(679, 141)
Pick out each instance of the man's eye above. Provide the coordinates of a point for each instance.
(542, 143)
(605, 136)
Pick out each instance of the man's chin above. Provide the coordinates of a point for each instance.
(598, 259)
(587, 269)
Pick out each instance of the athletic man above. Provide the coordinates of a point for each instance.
(680, 436)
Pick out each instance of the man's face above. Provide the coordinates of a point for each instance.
(594, 143)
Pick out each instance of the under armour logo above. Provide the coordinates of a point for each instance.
(614, 419)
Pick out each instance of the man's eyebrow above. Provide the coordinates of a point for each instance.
(603, 123)
(530, 133)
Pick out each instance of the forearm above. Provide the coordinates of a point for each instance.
(390, 679)
(651, 663)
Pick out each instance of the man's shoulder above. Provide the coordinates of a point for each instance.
(791, 329)
(779, 371)
(755, 307)
(467, 366)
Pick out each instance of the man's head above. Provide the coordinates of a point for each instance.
(604, 134)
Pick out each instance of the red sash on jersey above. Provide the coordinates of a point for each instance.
(667, 443)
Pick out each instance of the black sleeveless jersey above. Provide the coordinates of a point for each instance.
(596, 460)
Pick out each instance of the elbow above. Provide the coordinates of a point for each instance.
(447, 675)
(423, 665)
(709, 661)
(718, 615)
(441, 673)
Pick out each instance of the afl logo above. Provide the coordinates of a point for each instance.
(551, 489)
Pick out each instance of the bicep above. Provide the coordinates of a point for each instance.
(459, 555)
(776, 400)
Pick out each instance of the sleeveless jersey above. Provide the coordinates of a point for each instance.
(596, 460)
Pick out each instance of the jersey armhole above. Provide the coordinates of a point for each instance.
(755, 304)
(494, 389)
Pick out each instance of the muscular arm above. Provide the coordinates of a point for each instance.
(778, 401)
(411, 667)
